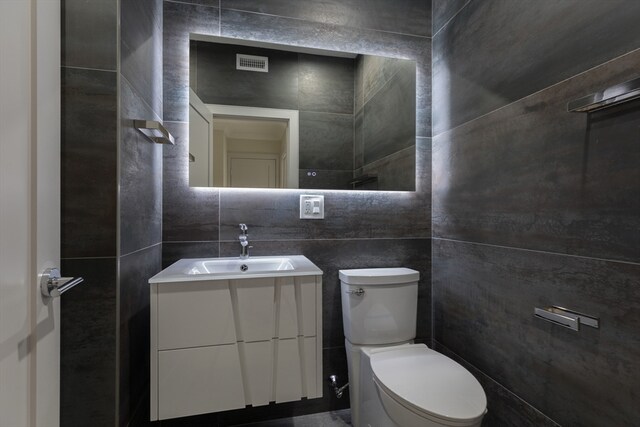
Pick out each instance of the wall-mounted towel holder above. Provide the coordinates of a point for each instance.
(155, 131)
(567, 318)
(608, 97)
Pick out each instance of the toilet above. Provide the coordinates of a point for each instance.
(392, 381)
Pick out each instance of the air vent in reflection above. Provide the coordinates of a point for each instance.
(252, 63)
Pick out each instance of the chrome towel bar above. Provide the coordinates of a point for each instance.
(608, 97)
(155, 131)
(567, 318)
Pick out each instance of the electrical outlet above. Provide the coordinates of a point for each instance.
(311, 207)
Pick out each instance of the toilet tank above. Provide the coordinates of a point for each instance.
(379, 305)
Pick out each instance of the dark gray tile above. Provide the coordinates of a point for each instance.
(532, 175)
(326, 84)
(326, 141)
(140, 177)
(175, 251)
(494, 53)
(88, 344)
(89, 180)
(325, 179)
(505, 409)
(358, 141)
(275, 215)
(188, 214)
(295, 32)
(333, 255)
(141, 49)
(444, 10)
(219, 82)
(423, 171)
(404, 16)
(179, 20)
(89, 34)
(377, 71)
(396, 171)
(389, 122)
(134, 368)
(484, 300)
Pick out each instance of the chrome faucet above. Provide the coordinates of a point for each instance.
(244, 242)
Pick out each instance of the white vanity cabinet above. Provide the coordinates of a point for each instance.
(225, 343)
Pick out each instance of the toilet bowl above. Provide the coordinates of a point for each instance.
(394, 382)
(419, 387)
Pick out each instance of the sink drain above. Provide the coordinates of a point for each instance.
(244, 267)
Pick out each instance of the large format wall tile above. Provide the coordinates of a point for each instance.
(361, 214)
(484, 300)
(534, 176)
(140, 176)
(326, 141)
(444, 10)
(89, 163)
(325, 84)
(505, 50)
(141, 49)
(395, 100)
(88, 344)
(404, 16)
(89, 34)
(135, 271)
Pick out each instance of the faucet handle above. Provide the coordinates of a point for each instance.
(243, 228)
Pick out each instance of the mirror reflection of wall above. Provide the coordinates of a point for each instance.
(355, 113)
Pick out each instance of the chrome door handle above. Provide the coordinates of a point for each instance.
(52, 285)
(357, 292)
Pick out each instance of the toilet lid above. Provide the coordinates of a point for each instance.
(429, 382)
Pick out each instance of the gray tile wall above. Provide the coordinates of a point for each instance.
(534, 206)
(361, 228)
(111, 205)
(89, 213)
(140, 200)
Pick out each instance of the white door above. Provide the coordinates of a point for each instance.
(252, 171)
(29, 211)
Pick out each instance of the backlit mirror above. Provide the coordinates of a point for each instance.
(271, 116)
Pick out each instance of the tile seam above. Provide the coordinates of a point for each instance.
(538, 251)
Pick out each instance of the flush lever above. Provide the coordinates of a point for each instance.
(52, 285)
(357, 292)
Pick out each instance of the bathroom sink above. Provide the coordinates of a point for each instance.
(234, 265)
(196, 269)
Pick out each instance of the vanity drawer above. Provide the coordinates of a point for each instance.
(199, 380)
(194, 314)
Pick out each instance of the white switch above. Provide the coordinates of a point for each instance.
(311, 207)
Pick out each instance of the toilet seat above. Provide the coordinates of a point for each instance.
(428, 384)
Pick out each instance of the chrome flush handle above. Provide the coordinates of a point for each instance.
(357, 292)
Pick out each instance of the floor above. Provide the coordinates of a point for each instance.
(340, 418)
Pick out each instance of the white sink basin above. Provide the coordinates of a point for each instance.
(195, 269)
(255, 265)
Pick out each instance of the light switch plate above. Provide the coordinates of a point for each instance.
(311, 207)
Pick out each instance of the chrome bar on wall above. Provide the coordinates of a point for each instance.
(155, 131)
(608, 97)
(567, 318)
